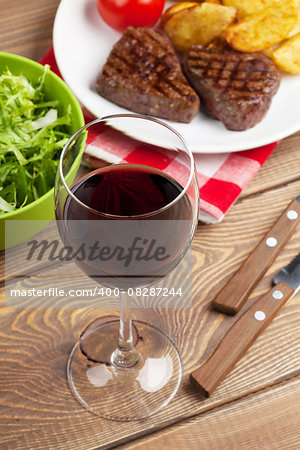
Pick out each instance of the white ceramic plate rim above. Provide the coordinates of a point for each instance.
(82, 42)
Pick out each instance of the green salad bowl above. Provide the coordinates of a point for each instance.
(42, 209)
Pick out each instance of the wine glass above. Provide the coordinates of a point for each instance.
(132, 224)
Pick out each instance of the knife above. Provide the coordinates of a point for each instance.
(234, 294)
(247, 328)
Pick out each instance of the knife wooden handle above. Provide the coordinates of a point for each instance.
(234, 294)
(239, 338)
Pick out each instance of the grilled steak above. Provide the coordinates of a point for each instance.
(143, 74)
(236, 88)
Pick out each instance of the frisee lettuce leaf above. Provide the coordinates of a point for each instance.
(32, 135)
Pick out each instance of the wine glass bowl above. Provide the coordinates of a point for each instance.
(132, 222)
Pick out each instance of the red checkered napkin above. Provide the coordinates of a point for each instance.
(221, 177)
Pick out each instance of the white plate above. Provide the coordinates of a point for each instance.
(82, 42)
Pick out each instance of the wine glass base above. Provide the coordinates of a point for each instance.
(118, 393)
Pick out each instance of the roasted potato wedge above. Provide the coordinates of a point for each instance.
(296, 28)
(267, 27)
(199, 24)
(287, 56)
(248, 7)
(174, 9)
(182, 5)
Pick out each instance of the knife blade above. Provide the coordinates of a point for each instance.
(236, 291)
(247, 328)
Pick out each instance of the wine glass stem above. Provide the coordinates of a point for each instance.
(125, 355)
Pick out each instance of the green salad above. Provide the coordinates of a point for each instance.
(32, 136)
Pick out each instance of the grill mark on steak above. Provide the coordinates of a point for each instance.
(236, 87)
(141, 53)
(164, 71)
(158, 86)
(143, 74)
(228, 74)
(164, 45)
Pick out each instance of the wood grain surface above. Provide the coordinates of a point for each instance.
(236, 426)
(257, 405)
(26, 26)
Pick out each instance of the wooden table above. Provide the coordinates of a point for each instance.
(256, 407)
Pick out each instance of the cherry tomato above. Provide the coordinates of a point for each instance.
(119, 14)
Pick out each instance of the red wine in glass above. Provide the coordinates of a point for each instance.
(145, 218)
(132, 192)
